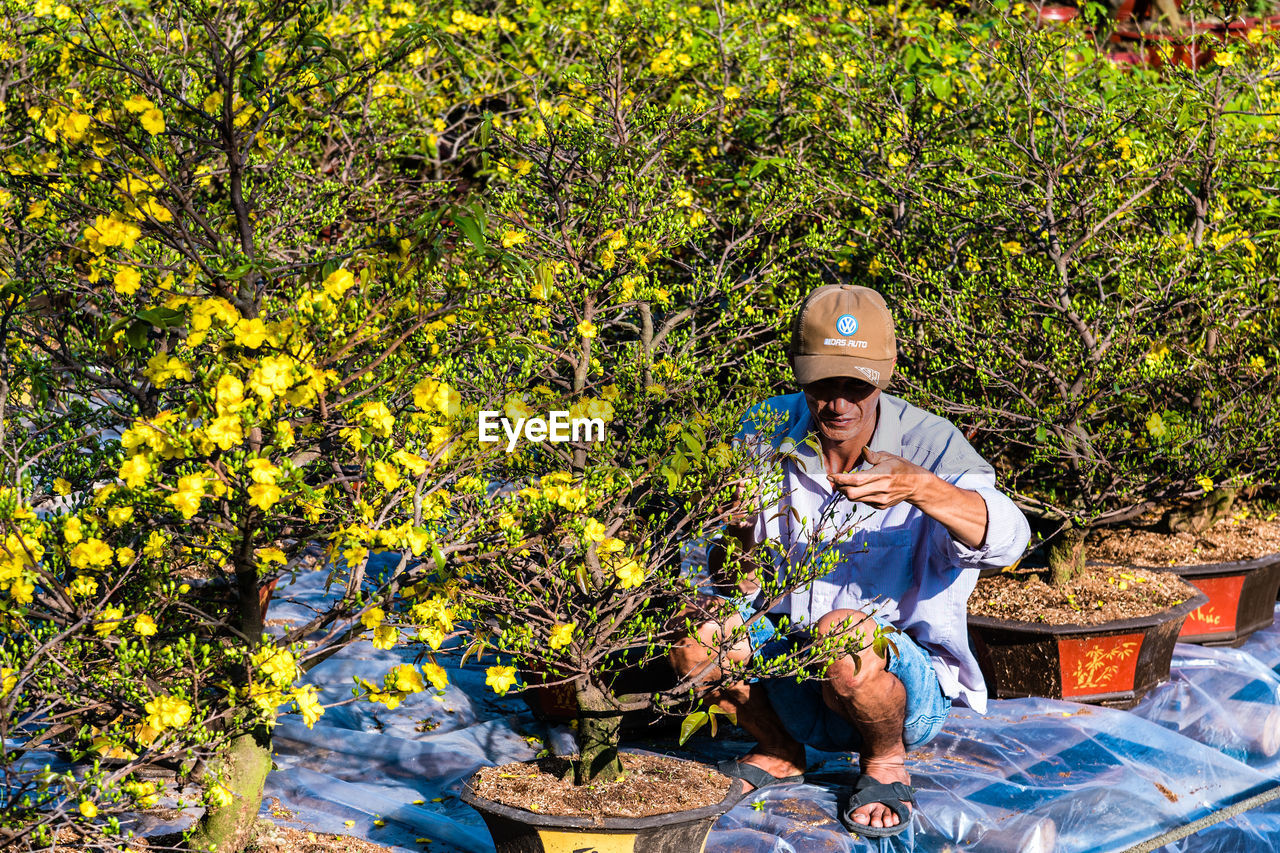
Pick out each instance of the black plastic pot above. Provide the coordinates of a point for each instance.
(520, 831)
(1112, 664)
(1242, 599)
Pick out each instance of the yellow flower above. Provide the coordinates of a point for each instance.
(144, 626)
(386, 475)
(500, 678)
(561, 635)
(61, 486)
(1013, 247)
(373, 617)
(267, 556)
(88, 809)
(436, 675)
(1205, 483)
(250, 334)
(218, 796)
(337, 283)
(9, 679)
(732, 93)
(264, 495)
(168, 712)
(385, 636)
(82, 586)
(153, 121)
(137, 104)
(406, 679)
(513, 238)
(125, 556)
(225, 432)
(108, 620)
(1156, 426)
(379, 417)
(593, 531)
(229, 397)
(630, 574)
(91, 553)
(308, 704)
(412, 463)
(135, 471)
(73, 530)
(587, 329)
(127, 281)
(263, 470)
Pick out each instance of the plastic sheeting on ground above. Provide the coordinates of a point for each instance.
(1032, 776)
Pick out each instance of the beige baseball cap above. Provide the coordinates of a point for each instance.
(843, 330)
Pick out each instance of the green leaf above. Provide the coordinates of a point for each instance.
(437, 556)
(470, 228)
(691, 724)
(941, 86)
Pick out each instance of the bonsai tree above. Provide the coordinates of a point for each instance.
(1077, 256)
(227, 337)
(637, 323)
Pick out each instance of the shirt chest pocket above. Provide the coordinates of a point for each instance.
(873, 573)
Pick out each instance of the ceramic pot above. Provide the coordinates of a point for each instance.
(1112, 664)
(520, 831)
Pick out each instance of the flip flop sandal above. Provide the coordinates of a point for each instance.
(894, 795)
(755, 776)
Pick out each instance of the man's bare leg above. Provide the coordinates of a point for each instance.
(875, 702)
(776, 752)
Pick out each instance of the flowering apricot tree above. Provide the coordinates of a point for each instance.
(226, 344)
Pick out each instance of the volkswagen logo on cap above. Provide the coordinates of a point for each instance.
(847, 324)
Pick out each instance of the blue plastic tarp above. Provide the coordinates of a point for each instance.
(1031, 776)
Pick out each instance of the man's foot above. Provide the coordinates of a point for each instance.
(781, 765)
(878, 815)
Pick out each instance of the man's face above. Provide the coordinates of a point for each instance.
(842, 407)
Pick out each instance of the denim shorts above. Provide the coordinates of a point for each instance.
(807, 718)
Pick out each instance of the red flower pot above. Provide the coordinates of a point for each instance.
(1112, 664)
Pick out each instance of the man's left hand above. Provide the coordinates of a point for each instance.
(890, 480)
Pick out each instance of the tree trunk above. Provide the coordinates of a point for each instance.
(1201, 514)
(244, 767)
(1066, 555)
(599, 727)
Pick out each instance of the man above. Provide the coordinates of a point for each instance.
(926, 517)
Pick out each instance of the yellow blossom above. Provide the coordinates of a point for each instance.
(250, 333)
(630, 574)
(308, 704)
(92, 552)
(144, 626)
(436, 675)
(561, 635)
(88, 809)
(406, 679)
(264, 495)
(108, 620)
(500, 678)
(127, 281)
(135, 471)
(385, 636)
(373, 617)
(168, 712)
(152, 121)
(587, 329)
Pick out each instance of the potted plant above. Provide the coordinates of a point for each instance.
(1231, 557)
(1068, 294)
(639, 286)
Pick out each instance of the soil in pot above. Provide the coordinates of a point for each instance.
(1230, 540)
(653, 785)
(1100, 594)
(1106, 638)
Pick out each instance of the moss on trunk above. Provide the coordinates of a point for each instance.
(599, 729)
(244, 768)
(1066, 555)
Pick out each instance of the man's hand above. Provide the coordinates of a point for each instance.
(890, 480)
